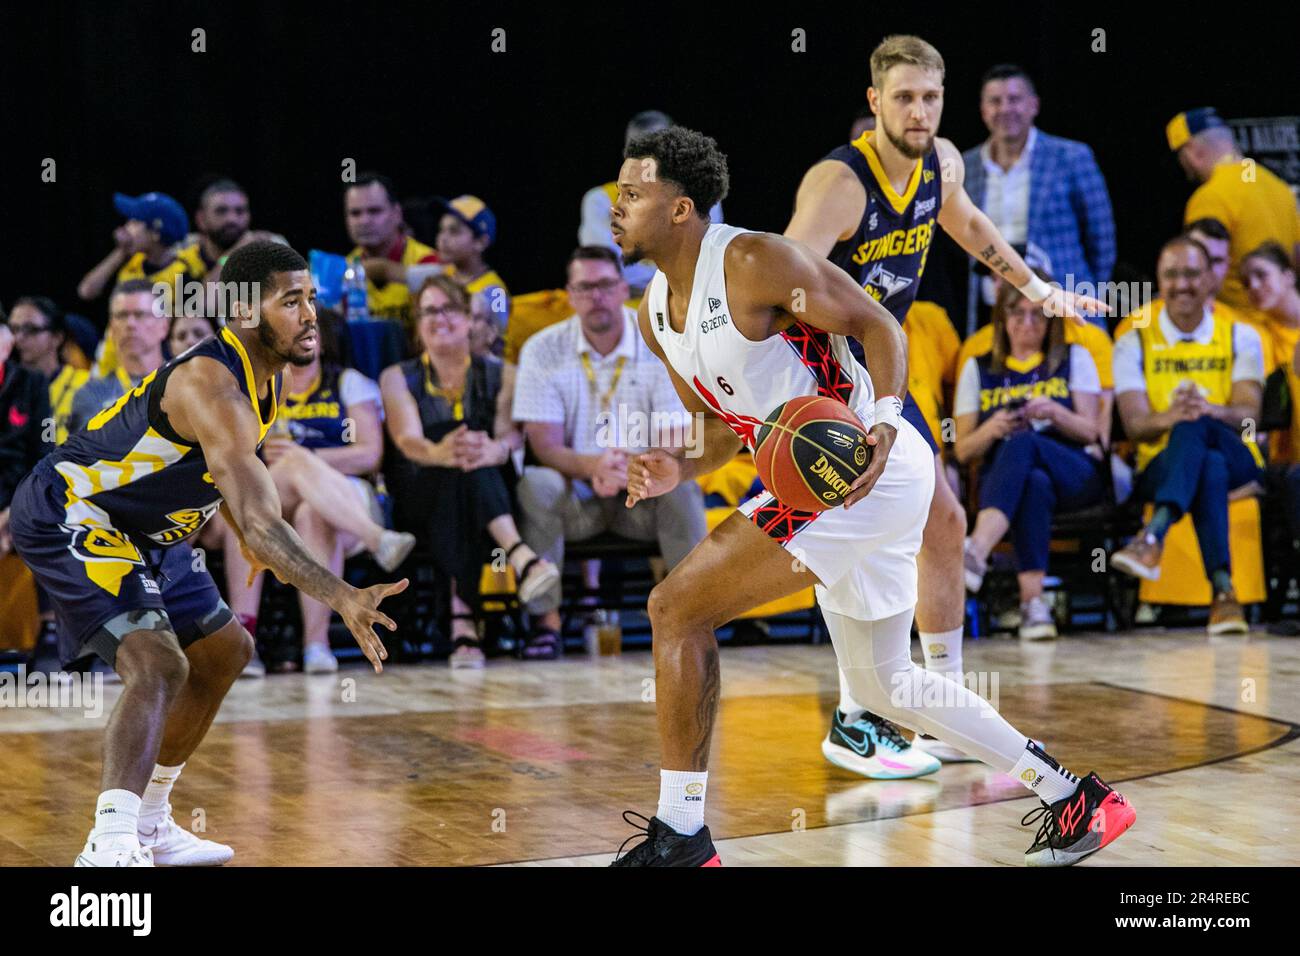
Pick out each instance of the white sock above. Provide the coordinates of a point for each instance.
(681, 800)
(850, 709)
(942, 651)
(116, 815)
(1043, 775)
(153, 805)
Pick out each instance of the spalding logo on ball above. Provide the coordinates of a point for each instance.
(809, 452)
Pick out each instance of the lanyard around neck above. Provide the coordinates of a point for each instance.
(591, 379)
(452, 396)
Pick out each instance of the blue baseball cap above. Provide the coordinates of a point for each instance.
(1190, 122)
(474, 213)
(158, 211)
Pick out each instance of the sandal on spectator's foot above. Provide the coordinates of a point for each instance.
(465, 652)
(542, 645)
(536, 576)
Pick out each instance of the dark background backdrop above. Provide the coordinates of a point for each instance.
(284, 92)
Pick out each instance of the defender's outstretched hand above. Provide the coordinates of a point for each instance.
(360, 612)
(1071, 305)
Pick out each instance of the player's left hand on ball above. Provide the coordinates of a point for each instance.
(652, 474)
(1071, 305)
(360, 612)
(881, 439)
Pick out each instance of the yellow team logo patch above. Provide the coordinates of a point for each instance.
(185, 522)
(107, 553)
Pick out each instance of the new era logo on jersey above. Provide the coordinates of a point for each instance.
(872, 221)
(882, 283)
(924, 209)
(714, 304)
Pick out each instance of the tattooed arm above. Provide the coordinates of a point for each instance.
(971, 229)
(204, 405)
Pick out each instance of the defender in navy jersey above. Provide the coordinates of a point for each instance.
(871, 207)
(99, 520)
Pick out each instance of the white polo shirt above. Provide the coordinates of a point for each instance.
(1248, 351)
(552, 386)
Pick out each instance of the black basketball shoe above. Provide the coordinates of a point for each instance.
(664, 846)
(1078, 826)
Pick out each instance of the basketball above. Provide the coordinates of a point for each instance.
(809, 451)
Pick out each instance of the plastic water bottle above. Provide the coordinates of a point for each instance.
(354, 293)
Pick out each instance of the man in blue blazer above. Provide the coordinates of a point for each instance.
(1043, 192)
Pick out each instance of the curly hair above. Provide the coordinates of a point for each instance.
(253, 264)
(689, 160)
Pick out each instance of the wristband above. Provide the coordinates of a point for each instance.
(888, 411)
(1035, 290)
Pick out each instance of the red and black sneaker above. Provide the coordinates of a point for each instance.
(1078, 826)
(664, 846)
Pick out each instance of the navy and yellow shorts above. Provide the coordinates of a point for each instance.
(101, 584)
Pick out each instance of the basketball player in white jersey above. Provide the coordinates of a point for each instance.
(871, 207)
(745, 321)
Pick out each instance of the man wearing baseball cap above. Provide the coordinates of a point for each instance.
(1253, 203)
(465, 231)
(146, 246)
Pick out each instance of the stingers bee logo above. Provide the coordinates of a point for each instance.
(184, 523)
(860, 455)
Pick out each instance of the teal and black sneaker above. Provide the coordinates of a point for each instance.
(875, 748)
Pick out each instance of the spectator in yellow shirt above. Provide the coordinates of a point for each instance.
(147, 246)
(1253, 203)
(465, 231)
(375, 223)
(1270, 279)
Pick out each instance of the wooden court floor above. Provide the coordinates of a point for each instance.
(534, 763)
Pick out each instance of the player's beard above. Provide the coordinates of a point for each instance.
(272, 343)
(906, 148)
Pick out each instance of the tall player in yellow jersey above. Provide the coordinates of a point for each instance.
(869, 209)
(104, 520)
